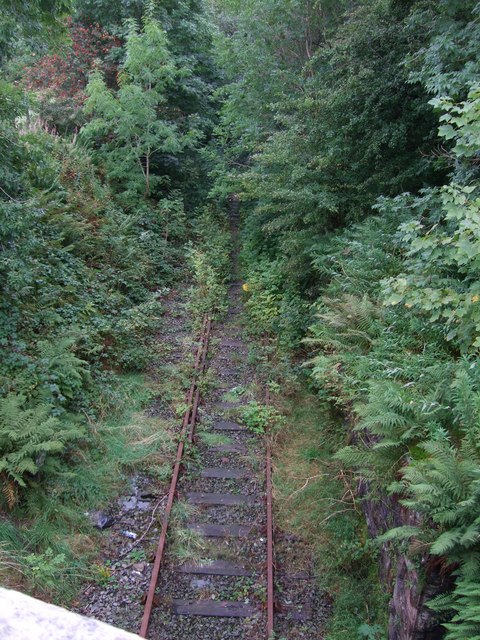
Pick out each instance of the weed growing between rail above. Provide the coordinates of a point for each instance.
(261, 418)
(186, 545)
(209, 261)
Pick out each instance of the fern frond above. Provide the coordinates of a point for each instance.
(399, 533)
(9, 491)
(27, 432)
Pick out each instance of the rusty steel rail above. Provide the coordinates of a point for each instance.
(188, 428)
(270, 561)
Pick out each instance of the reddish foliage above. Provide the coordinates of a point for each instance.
(64, 75)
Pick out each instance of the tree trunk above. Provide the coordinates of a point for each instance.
(147, 174)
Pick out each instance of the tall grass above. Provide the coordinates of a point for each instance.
(315, 500)
(48, 543)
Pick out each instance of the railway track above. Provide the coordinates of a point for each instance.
(188, 429)
(230, 491)
(213, 567)
(222, 585)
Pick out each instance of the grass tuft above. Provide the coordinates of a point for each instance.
(48, 545)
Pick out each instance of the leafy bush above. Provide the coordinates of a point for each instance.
(80, 279)
(441, 242)
(132, 123)
(45, 569)
(261, 418)
(414, 401)
(264, 298)
(274, 305)
(210, 263)
(59, 79)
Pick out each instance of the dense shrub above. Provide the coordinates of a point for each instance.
(361, 223)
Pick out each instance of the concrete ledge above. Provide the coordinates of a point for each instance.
(25, 618)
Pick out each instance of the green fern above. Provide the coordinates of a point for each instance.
(394, 420)
(61, 371)
(348, 322)
(445, 487)
(463, 604)
(28, 436)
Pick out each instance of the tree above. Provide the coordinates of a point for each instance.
(32, 22)
(133, 124)
(60, 78)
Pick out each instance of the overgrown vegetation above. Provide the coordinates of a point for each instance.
(353, 133)
(261, 418)
(102, 124)
(315, 498)
(209, 260)
(350, 132)
(48, 543)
